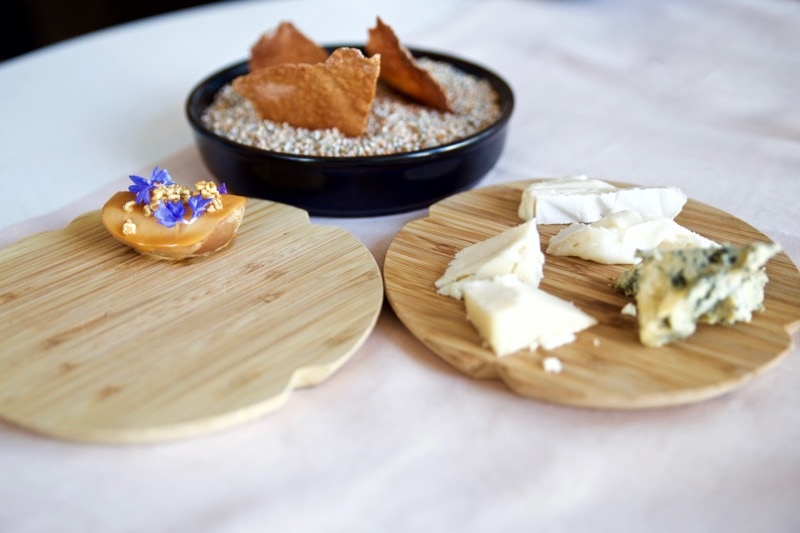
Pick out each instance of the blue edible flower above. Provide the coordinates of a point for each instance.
(142, 187)
(198, 205)
(170, 213)
(160, 176)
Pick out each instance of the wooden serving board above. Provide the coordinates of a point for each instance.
(607, 366)
(99, 343)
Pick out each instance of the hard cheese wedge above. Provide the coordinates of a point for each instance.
(580, 199)
(511, 316)
(515, 251)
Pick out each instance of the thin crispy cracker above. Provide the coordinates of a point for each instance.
(284, 44)
(335, 94)
(400, 70)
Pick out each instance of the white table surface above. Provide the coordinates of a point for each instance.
(702, 94)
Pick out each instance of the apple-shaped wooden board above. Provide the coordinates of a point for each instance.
(99, 343)
(607, 366)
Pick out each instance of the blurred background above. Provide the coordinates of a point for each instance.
(26, 25)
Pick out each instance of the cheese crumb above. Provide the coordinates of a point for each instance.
(629, 309)
(552, 365)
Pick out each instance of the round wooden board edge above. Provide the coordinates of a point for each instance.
(489, 366)
(302, 377)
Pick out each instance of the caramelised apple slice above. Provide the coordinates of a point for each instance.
(161, 219)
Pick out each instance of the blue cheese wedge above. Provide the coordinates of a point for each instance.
(514, 251)
(615, 238)
(581, 199)
(675, 290)
(511, 316)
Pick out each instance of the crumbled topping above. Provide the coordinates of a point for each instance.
(167, 201)
(208, 189)
(128, 227)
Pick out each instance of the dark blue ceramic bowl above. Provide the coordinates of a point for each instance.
(351, 186)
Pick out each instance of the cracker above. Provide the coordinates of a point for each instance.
(285, 44)
(400, 70)
(335, 94)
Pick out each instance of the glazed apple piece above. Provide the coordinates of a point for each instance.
(160, 218)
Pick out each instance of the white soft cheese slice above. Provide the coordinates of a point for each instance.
(615, 238)
(515, 251)
(511, 316)
(580, 199)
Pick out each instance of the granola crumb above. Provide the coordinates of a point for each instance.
(128, 227)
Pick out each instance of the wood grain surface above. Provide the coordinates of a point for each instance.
(607, 366)
(99, 343)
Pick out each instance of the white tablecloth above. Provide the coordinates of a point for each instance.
(702, 94)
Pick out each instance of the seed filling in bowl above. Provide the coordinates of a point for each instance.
(395, 124)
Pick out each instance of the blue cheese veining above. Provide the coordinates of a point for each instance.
(674, 290)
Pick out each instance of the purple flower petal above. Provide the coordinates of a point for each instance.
(141, 187)
(198, 205)
(170, 213)
(160, 176)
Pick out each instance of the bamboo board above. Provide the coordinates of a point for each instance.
(607, 366)
(98, 343)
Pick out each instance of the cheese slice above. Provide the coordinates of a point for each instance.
(581, 199)
(677, 289)
(510, 315)
(514, 251)
(615, 238)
